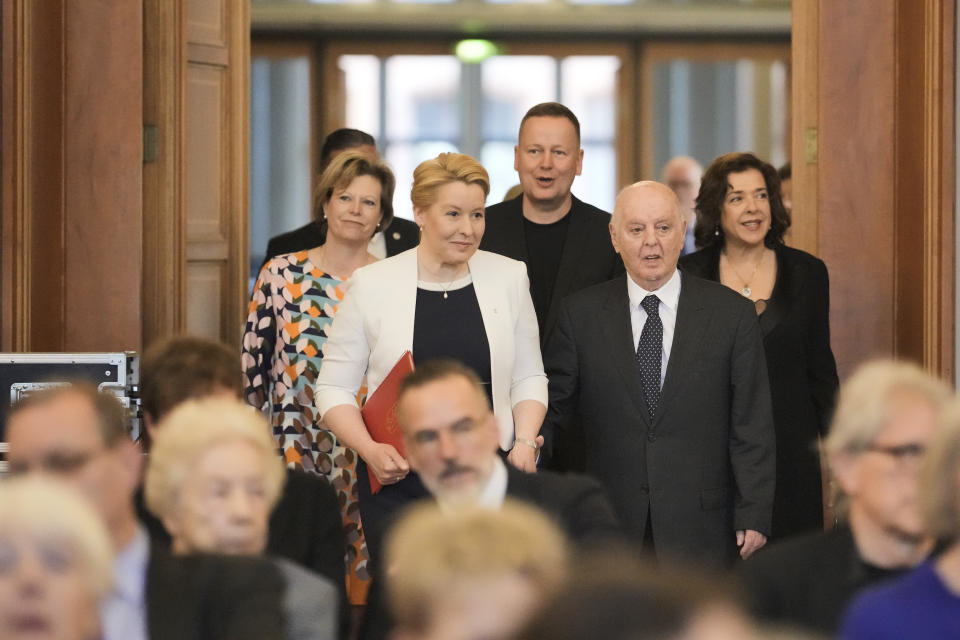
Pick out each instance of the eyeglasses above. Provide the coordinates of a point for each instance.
(909, 452)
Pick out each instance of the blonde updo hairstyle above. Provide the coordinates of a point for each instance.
(191, 430)
(432, 174)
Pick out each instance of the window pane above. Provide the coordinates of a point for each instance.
(589, 88)
(280, 181)
(497, 158)
(362, 79)
(705, 109)
(403, 158)
(598, 182)
(422, 98)
(511, 85)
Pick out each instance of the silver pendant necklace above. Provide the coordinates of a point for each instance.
(746, 291)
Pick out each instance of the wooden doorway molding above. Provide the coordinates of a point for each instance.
(71, 183)
(196, 96)
(873, 170)
(655, 51)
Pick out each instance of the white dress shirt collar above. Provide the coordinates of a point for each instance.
(494, 491)
(669, 293)
(123, 613)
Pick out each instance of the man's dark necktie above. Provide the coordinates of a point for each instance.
(649, 352)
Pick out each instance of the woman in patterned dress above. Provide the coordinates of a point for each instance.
(294, 301)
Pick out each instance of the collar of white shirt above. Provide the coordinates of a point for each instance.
(123, 612)
(492, 494)
(669, 293)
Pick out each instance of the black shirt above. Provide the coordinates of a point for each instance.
(544, 248)
(808, 581)
(448, 324)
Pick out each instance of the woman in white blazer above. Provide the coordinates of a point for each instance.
(441, 299)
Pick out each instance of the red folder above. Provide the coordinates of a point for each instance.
(380, 411)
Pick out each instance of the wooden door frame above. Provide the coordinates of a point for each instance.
(654, 51)
(917, 307)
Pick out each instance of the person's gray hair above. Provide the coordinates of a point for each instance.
(940, 479)
(863, 406)
(192, 429)
(44, 508)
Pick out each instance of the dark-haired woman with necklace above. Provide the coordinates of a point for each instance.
(740, 225)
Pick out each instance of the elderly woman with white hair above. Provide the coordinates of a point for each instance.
(924, 603)
(213, 479)
(55, 562)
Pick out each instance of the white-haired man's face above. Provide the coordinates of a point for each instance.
(647, 230)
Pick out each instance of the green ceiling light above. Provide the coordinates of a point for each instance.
(475, 51)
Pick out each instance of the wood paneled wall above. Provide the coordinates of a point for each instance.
(71, 232)
(195, 200)
(873, 165)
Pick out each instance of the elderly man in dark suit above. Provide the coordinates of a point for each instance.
(667, 374)
(79, 435)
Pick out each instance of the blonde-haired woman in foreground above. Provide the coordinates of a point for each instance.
(442, 299)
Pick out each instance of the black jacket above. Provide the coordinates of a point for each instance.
(401, 235)
(803, 378)
(588, 256)
(704, 465)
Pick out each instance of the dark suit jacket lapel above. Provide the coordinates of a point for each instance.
(618, 342)
(692, 322)
(511, 240)
(786, 288)
(570, 260)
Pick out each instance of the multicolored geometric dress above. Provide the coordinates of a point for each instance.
(291, 310)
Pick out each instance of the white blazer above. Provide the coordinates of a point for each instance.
(374, 326)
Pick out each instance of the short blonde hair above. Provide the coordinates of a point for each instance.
(430, 551)
(940, 478)
(432, 174)
(42, 507)
(192, 429)
(863, 405)
(342, 170)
